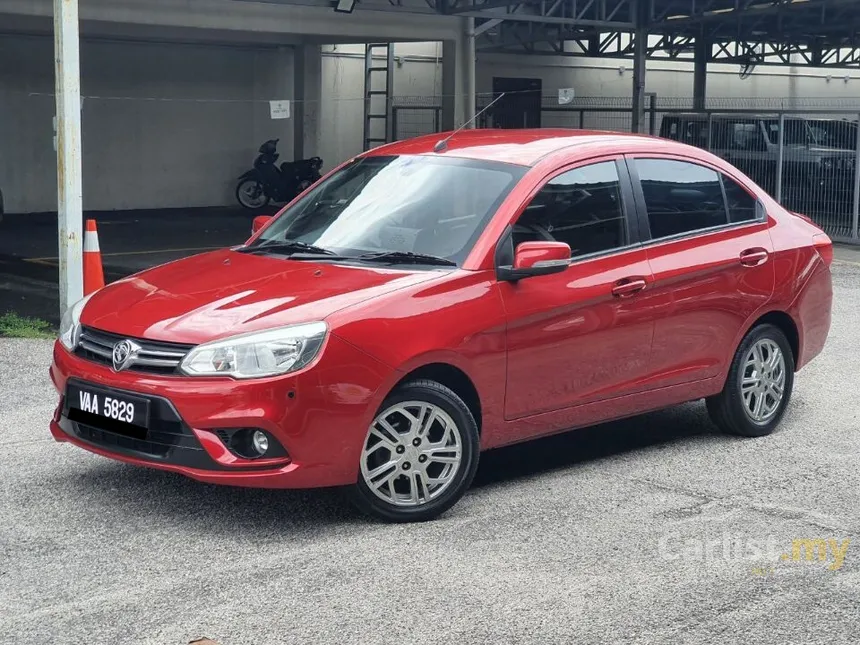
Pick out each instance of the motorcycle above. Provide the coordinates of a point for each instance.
(268, 182)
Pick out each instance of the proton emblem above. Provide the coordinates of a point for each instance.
(124, 354)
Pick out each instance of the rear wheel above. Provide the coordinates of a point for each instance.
(759, 384)
(419, 456)
(251, 194)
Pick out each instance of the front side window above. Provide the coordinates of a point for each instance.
(680, 197)
(581, 207)
(410, 204)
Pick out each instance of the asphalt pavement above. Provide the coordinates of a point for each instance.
(656, 529)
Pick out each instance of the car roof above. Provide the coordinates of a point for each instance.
(524, 147)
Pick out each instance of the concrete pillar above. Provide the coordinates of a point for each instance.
(450, 64)
(308, 93)
(702, 55)
(68, 143)
(458, 73)
(640, 50)
(469, 71)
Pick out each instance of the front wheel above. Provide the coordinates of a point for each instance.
(251, 194)
(759, 384)
(419, 456)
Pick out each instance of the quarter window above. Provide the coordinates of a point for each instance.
(581, 207)
(680, 197)
(742, 205)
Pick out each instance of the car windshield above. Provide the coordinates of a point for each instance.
(396, 208)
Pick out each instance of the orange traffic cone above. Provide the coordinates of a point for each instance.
(94, 276)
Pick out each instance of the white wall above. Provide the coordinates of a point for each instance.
(418, 76)
(164, 125)
(141, 153)
(602, 78)
(418, 80)
(417, 73)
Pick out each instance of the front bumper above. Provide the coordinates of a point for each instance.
(319, 415)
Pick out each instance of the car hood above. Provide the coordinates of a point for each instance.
(223, 293)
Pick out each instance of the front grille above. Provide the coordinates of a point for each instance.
(155, 357)
(109, 440)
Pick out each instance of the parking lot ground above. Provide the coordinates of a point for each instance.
(847, 253)
(641, 531)
(130, 242)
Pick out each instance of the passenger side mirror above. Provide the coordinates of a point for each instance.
(534, 259)
(259, 222)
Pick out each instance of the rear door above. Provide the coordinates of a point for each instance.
(710, 255)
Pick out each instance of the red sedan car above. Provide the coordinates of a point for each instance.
(427, 301)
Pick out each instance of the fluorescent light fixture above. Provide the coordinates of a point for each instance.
(344, 6)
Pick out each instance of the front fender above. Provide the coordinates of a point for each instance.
(251, 174)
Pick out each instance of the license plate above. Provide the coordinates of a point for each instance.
(114, 407)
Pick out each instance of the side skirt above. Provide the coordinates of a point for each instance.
(558, 421)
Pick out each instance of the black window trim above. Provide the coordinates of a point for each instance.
(642, 210)
(504, 247)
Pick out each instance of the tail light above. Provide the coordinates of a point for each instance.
(824, 246)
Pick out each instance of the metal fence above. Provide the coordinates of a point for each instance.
(808, 159)
(413, 121)
(804, 152)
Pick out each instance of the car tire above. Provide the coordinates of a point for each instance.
(407, 471)
(754, 380)
(244, 191)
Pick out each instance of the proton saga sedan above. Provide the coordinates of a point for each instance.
(435, 298)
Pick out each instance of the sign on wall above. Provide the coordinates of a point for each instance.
(565, 95)
(279, 109)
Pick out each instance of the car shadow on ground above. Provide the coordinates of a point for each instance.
(593, 443)
(116, 489)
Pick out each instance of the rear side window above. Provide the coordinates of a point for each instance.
(742, 205)
(680, 197)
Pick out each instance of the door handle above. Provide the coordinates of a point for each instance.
(626, 287)
(753, 257)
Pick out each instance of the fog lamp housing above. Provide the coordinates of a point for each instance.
(251, 443)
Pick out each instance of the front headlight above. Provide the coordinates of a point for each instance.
(259, 354)
(70, 325)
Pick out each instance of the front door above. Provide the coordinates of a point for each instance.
(711, 258)
(585, 334)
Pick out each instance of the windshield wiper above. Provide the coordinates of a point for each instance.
(295, 246)
(406, 257)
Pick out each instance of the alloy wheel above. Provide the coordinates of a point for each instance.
(762, 380)
(412, 453)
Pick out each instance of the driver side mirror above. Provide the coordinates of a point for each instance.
(536, 258)
(259, 222)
